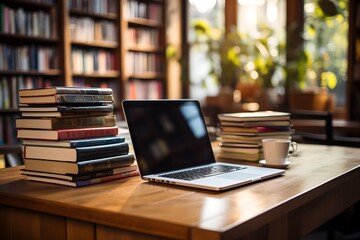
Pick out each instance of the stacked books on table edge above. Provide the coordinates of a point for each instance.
(241, 133)
(70, 137)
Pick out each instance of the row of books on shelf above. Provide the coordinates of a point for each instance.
(10, 85)
(144, 89)
(143, 37)
(241, 134)
(147, 10)
(93, 6)
(26, 22)
(25, 58)
(77, 143)
(92, 60)
(142, 62)
(89, 30)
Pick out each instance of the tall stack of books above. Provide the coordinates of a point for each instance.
(241, 134)
(70, 136)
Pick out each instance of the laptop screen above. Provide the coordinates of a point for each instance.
(167, 134)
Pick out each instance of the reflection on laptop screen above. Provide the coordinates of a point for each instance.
(168, 135)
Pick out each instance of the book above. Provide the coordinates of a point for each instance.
(248, 139)
(77, 154)
(67, 134)
(271, 123)
(82, 183)
(75, 143)
(67, 99)
(247, 150)
(66, 122)
(259, 134)
(64, 114)
(61, 90)
(241, 156)
(255, 116)
(74, 178)
(259, 129)
(79, 168)
(67, 108)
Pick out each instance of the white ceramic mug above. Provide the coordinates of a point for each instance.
(276, 151)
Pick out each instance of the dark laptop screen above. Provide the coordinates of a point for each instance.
(167, 134)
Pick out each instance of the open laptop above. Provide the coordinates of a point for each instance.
(172, 146)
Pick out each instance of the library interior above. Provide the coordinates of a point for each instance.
(259, 69)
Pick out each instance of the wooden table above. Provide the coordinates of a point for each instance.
(321, 182)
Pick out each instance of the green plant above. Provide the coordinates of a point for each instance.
(239, 57)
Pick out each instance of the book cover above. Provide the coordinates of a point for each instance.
(254, 116)
(77, 154)
(67, 99)
(73, 178)
(61, 90)
(75, 143)
(82, 183)
(79, 168)
(259, 134)
(66, 122)
(67, 134)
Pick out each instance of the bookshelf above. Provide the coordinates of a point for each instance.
(92, 46)
(143, 49)
(353, 81)
(29, 47)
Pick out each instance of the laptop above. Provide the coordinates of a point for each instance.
(172, 146)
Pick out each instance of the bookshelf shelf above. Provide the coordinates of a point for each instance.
(29, 4)
(50, 73)
(109, 74)
(6, 37)
(149, 49)
(145, 22)
(109, 45)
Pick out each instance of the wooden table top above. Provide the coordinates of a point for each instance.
(184, 213)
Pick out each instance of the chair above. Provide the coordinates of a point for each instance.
(323, 133)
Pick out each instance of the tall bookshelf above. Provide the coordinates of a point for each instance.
(353, 81)
(29, 47)
(143, 49)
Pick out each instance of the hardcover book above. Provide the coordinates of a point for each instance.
(67, 99)
(77, 154)
(82, 183)
(61, 90)
(75, 143)
(67, 108)
(255, 116)
(75, 178)
(79, 168)
(66, 122)
(67, 134)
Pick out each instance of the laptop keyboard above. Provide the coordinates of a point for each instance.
(198, 173)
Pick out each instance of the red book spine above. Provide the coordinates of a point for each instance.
(86, 133)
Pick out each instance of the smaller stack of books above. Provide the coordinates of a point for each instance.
(241, 134)
(70, 136)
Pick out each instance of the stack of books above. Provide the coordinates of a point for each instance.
(241, 134)
(70, 136)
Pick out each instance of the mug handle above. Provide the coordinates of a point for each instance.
(294, 148)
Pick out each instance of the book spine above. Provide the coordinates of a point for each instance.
(104, 108)
(84, 122)
(101, 151)
(90, 91)
(106, 178)
(66, 98)
(98, 165)
(86, 133)
(105, 173)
